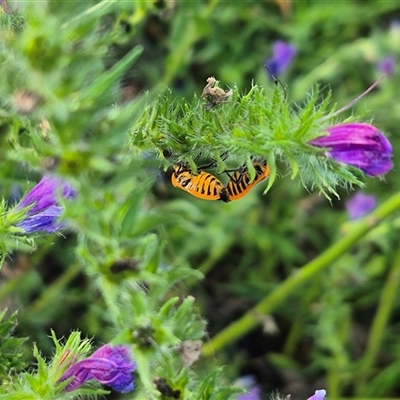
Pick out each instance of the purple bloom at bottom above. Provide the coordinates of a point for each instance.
(386, 65)
(282, 56)
(360, 204)
(45, 209)
(319, 395)
(357, 144)
(111, 366)
(254, 393)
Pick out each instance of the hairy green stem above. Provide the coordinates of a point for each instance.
(240, 327)
(387, 301)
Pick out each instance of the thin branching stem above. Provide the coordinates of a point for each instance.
(353, 102)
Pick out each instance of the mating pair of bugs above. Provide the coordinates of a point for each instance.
(206, 186)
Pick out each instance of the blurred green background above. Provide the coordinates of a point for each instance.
(320, 336)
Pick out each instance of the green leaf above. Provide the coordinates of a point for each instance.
(108, 79)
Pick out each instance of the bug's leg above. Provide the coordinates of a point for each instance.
(211, 164)
(232, 178)
(197, 158)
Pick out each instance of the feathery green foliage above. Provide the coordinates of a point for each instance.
(106, 95)
(259, 123)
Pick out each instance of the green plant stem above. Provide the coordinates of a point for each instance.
(192, 34)
(340, 360)
(99, 7)
(53, 291)
(385, 307)
(240, 327)
(295, 330)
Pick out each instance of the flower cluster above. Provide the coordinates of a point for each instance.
(111, 366)
(44, 207)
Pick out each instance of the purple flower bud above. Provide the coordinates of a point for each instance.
(111, 366)
(360, 204)
(319, 395)
(45, 209)
(387, 65)
(359, 145)
(282, 56)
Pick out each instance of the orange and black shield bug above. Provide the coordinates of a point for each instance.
(202, 185)
(240, 182)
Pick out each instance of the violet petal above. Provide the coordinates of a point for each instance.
(358, 144)
(45, 193)
(111, 366)
(44, 221)
(319, 395)
(254, 393)
(45, 209)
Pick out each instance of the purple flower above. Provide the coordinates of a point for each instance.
(45, 208)
(253, 391)
(319, 395)
(253, 394)
(357, 144)
(111, 366)
(387, 65)
(360, 204)
(282, 55)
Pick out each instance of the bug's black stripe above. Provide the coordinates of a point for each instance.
(238, 185)
(237, 188)
(229, 188)
(215, 187)
(207, 185)
(210, 185)
(200, 184)
(245, 182)
(232, 187)
(196, 184)
(258, 169)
